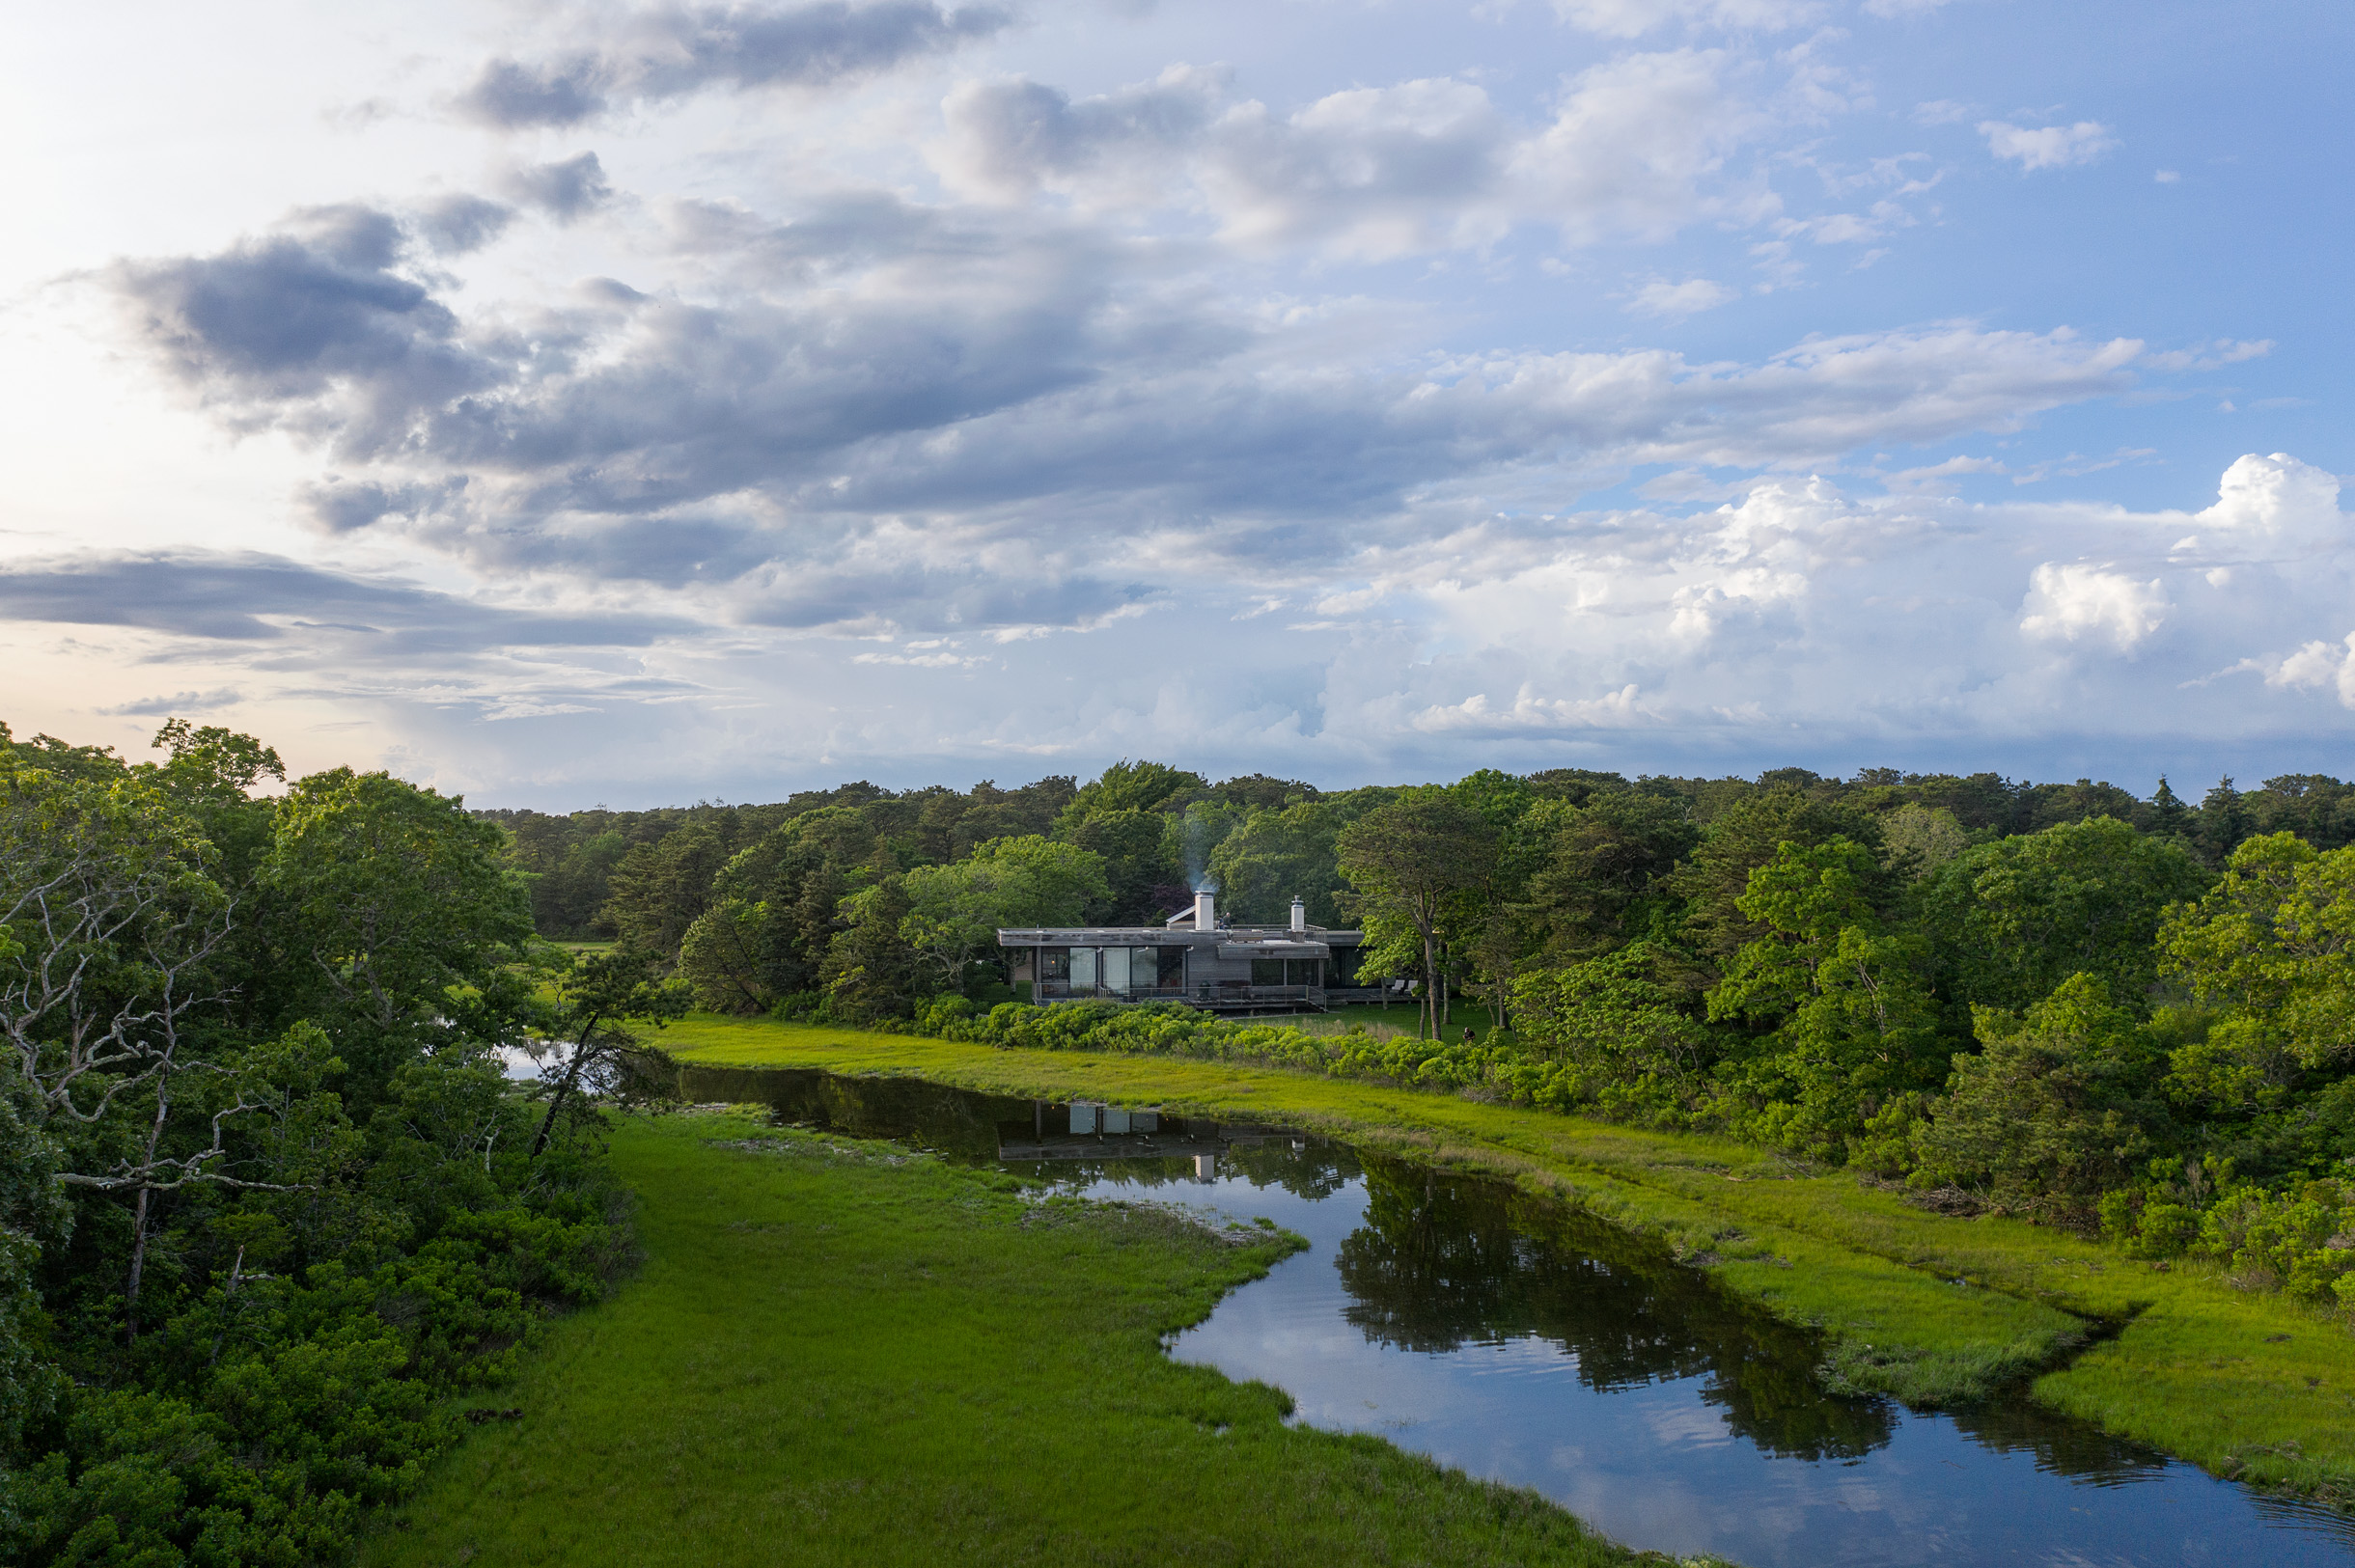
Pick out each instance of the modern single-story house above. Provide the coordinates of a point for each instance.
(1196, 958)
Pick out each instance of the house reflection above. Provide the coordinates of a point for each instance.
(1093, 1130)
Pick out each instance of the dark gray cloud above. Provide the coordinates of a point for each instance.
(564, 190)
(1009, 134)
(340, 507)
(253, 598)
(675, 51)
(917, 597)
(177, 702)
(269, 328)
(963, 382)
(456, 225)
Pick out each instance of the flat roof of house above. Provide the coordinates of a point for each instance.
(1153, 936)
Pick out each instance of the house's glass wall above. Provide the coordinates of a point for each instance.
(1083, 968)
(1115, 971)
(1054, 963)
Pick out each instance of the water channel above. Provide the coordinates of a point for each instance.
(1524, 1342)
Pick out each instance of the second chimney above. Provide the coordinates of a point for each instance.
(1300, 914)
(1206, 910)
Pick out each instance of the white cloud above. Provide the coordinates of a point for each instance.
(1631, 18)
(2209, 356)
(2268, 510)
(2075, 602)
(1637, 147)
(1676, 300)
(2320, 664)
(1936, 478)
(2047, 146)
(1529, 711)
(882, 371)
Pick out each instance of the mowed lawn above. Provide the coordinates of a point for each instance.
(840, 1353)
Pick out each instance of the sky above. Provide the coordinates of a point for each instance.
(572, 405)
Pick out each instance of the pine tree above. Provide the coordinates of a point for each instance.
(2225, 820)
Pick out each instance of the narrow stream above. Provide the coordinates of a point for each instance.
(1529, 1343)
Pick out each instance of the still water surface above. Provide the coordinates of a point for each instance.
(1528, 1343)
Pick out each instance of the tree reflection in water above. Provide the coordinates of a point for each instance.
(952, 1122)
(1444, 1261)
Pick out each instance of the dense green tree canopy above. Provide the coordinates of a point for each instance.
(263, 1197)
(2021, 915)
(956, 911)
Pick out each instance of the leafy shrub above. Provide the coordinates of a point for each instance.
(2053, 1110)
(2165, 1231)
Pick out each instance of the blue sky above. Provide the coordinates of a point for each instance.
(569, 403)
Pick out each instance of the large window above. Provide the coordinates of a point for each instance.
(1054, 963)
(1083, 968)
(1115, 971)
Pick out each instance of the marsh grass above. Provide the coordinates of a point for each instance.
(846, 1353)
(1394, 1021)
(1323, 1024)
(1931, 1309)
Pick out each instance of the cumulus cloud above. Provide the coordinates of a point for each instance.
(461, 224)
(564, 190)
(827, 392)
(670, 52)
(924, 423)
(1008, 138)
(1531, 711)
(2073, 602)
(1636, 147)
(2268, 510)
(2319, 664)
(275, 330)
(2047, 146)
(1878, 621)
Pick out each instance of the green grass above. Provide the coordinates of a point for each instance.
(1401, 1016)
(842, 1352)
(1929, 1308)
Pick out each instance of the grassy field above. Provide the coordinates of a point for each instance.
(840, 1353)
(1930, 1309)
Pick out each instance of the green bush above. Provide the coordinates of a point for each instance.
(2165, 1231)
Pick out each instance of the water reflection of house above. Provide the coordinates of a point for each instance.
(1196, 958)
(1090, 1130)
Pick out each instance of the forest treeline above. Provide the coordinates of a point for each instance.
(268, 1194)
(2062, 1000)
